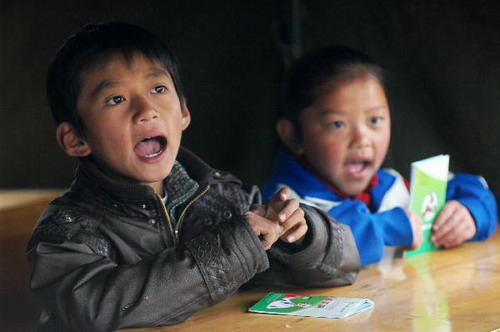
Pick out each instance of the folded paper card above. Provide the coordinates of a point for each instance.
(429, 178)
(310, 305)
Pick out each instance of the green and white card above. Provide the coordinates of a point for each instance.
(321, 306)
(429, 179)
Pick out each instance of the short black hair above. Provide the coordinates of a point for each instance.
(331, 64)
(91, 43)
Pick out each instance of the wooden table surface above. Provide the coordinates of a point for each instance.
(451, 290)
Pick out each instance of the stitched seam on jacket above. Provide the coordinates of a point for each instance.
(212, 263)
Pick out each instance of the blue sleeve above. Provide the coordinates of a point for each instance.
(472, 192)
(372, 231)
(267, 190)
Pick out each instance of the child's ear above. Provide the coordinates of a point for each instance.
(186, 116)
(289, 137)
(70, 141)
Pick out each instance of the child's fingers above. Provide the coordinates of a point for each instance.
(296, 216)
(446, 225)
(446, 212)
(295, 233)
(280, 196)
(268, 231)
(283, 193)
(275, 204)
(455, 228)
(295, 227)
(416, 227)
(455, 236)
(452, 214)
(287, 208)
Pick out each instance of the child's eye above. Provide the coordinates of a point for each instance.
(115, 100)
(376, 120)
(336, 124)
(159, 89)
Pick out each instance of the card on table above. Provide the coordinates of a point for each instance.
(310, 305)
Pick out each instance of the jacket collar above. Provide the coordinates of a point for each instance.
(188, 172)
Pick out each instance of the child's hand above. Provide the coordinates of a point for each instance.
(416, 227)
(268, 231)
(288, 214)
(453, 226)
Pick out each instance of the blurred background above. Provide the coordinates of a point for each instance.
(442, 58)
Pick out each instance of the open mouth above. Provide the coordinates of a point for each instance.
(150, 147)
(356, 167)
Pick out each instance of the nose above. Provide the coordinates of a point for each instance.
(144, 110)
(360, 138)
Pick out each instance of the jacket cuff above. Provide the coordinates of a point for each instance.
(228, 256)
(313, 246)
(396, 227)
(480, 215)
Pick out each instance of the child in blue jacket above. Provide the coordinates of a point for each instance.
(336, 129)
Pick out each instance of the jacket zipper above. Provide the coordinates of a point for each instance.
(181, 218)
(169, 222)
(175, 232)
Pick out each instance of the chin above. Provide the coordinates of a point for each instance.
(353, 190)
(155, 178)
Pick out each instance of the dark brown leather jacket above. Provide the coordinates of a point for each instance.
(109, 255)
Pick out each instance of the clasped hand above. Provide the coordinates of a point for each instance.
(281, 219)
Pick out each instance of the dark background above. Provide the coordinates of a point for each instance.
(442, 58)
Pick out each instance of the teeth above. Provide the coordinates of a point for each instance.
(152, 155)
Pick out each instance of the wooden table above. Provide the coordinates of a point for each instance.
(451, 290)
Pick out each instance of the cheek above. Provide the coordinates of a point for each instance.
(332, 155)
(325, 151)
(383, 141)
(107, 139)
(381, 147)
